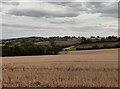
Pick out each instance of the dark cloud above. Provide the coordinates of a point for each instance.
(96, 4)
(64, 22)
(10, 2)
(29, 26)
(107, 9)
(77, 6)
(119, 10)
(19, 26)
(42, 13)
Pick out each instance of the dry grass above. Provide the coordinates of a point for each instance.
(75, 69)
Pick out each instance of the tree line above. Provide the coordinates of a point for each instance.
(29, 48)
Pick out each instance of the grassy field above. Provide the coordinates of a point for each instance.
(94, 46)
(91, 68)
(100, 45)
(58, 43)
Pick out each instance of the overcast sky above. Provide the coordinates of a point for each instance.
(24, 19)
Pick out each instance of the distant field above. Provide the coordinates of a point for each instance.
(93, 68)
(100, 45)
(58, 43)
(92, 46)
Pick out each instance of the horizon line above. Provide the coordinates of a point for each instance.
(55, 36)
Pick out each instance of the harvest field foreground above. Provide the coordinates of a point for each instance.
(90, 68)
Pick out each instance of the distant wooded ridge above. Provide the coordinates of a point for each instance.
(53, 45)
(55, 38)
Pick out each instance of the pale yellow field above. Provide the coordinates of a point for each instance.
(95, 68)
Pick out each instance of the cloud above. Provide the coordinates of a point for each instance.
(9, 2)
(36, 13)
(61, 9)
(19, 26)
(58, 18)
(28, 27)
(42, 10)
(107, 9)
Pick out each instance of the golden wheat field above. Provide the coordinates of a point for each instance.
(93, 68)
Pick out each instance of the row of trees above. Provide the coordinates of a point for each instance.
(29, 48)
(65, 38)
(98, 47)
(98, 39)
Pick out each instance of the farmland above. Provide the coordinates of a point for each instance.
(53, 45)
(88, 68)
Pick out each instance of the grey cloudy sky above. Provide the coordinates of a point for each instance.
(21, 19)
